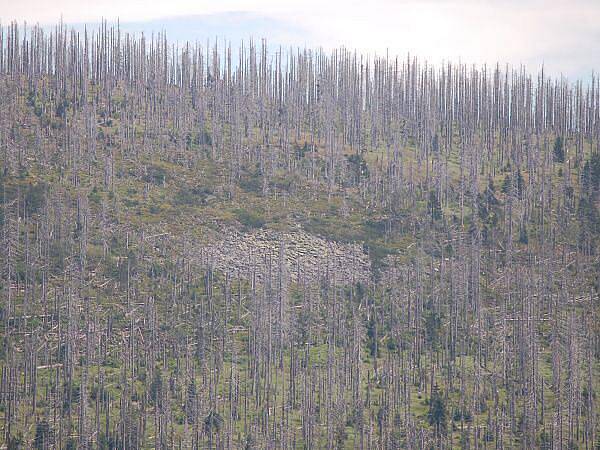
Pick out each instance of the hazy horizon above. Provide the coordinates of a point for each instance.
(562, 36)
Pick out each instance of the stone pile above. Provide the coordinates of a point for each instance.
(302, 257)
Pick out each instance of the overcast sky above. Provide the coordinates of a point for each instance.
(563, 35)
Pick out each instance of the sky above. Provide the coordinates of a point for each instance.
(563, 35)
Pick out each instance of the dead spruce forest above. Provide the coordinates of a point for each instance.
(206, 247)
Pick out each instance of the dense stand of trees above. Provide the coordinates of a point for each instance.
(474, 191)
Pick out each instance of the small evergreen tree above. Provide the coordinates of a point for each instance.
(14, 442)
(437, 412)
(591, 173)
(490, 193)
(433, 325)
(358, 167)
(372, 338)
(434, 207)
(43, 435)
(559, 150)
(213, 422)
(156, 387)
(520, 184)
(435, 144)
(523, 237)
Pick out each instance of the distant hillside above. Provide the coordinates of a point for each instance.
(294, 249)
